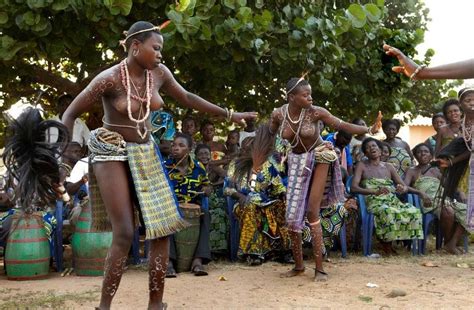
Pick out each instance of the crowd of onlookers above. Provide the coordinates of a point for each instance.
(201, 167)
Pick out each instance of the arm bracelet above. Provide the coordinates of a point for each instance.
(413, 75)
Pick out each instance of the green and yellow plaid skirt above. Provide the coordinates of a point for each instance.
(157, 202)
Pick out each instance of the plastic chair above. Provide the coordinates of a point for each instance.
(428, 218)
(57, 246)
(234, 225)
(137, 259)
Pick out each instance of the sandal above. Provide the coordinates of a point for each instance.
(292, 273)
(199, 271)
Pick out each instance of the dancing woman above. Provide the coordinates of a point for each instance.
(458, 155)
(126, 165)
(309, 162)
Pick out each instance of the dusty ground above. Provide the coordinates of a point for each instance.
(237, 286)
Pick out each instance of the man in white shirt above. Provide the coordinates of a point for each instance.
(81, 132)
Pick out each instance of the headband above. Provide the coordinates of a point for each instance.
(301, 79)
(469, 89)
(128, 36)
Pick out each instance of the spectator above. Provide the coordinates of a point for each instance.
(341, 140)
(438, 120)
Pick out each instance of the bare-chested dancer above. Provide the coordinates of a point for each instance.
(121, 151)
(309, 163)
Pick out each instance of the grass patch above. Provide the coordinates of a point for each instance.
(50, 299)
(365, 298)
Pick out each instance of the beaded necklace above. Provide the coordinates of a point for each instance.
(297, 139)
(141, 130)
(467, 134)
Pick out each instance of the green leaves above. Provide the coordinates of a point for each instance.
(3, 18)
(356, 14)
(9, 47)
(234, 51)
(359, 14)
(117, 7)
(373, 13)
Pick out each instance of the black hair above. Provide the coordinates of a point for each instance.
(449, 103)
(189, 118)
(438, 115)
(33, 161)
(357, 120)
(200, 147)
(369, 139)
(290, 85)
(64, 98)
(262, 147)
(189, 140)
(385, 144)
(205, 123)
(392, 121)
(463, 92)
(344, 134)
(415, 149)
(74, 143)
(142, 36)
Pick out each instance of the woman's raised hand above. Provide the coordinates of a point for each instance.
(240, 117)
(377, 125)
(407, 66)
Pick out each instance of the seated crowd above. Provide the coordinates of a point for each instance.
(249, 172)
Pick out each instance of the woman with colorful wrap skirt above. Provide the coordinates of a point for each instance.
(256, 186)
(309, 162)
(126, 165)
(424, 180)
(459, 156)
(394, 220)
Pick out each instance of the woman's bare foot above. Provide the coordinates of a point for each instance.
(292, 273)
(320, 276)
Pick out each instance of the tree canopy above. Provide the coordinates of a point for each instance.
(239, 53)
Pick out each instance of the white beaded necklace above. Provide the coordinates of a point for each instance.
(289, 117)
(467, 134)
(126, 83)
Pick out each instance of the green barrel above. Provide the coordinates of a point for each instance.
(186, 240)
(27, 254)
(89, 248)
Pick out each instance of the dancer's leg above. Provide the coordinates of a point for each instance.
(297, 249)
(158, 263)
(318, 183)
(112, 178)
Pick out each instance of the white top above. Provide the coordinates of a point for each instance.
(245, 134)
(81, 132)
(80, 168)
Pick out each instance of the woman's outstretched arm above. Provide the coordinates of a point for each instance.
(190, 100)
(456, 70)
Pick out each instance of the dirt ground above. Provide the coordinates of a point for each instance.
(446, 282)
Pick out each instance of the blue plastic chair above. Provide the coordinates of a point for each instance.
(57, 246)
(428, 218)
(137, 259)
(234, 225)
(368, 222)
